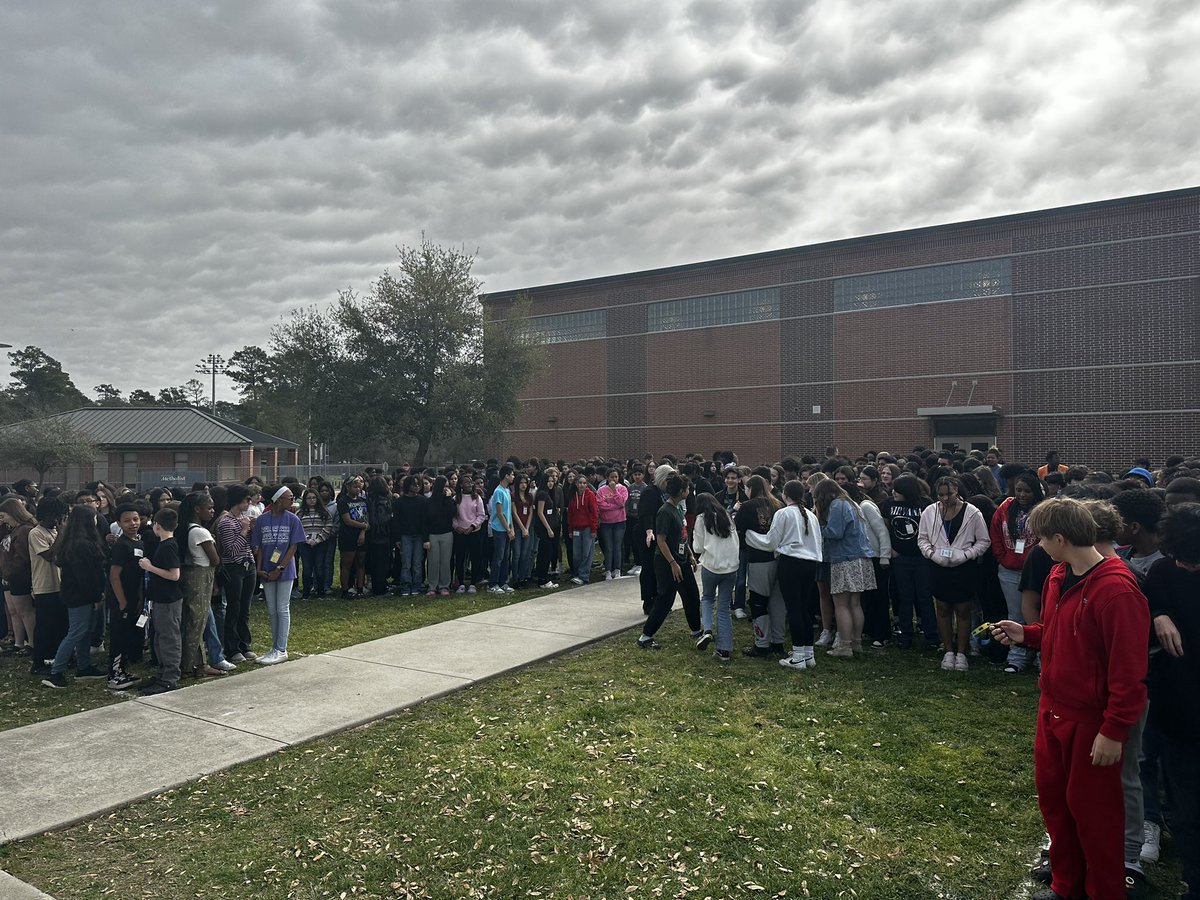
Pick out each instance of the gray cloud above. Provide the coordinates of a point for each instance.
(179, 175)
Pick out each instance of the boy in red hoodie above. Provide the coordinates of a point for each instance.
(1095, 623)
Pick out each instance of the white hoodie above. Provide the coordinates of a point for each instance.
(718, 555)
(787, 534)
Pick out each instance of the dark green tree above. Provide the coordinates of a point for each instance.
(108, 395)
(39, 386)
(409, 363)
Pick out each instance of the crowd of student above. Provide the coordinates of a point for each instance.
(845, 555)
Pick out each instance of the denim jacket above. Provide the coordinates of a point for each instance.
(845, 534)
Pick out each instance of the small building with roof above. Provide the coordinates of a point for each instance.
(172, 446)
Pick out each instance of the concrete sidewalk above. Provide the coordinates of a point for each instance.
(64, 770)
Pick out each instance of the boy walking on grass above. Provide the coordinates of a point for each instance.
(1092, 636)
(165, 595)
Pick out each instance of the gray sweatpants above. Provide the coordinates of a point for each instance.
(168, 642)
(1131, 786)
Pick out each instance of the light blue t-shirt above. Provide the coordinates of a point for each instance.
(502, 501)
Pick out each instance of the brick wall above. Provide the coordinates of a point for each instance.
(1074, 359)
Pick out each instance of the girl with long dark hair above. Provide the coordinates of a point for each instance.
(16, 568)
(911, 574)
(795, 534)
(440, 510)
(763, 597)
(318, 530)
(198, 553)
(716, 545)
(80, 557)
(1011, 542)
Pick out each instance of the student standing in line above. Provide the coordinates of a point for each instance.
(672, 552)
(165, 597)
(80, 554)
(877, 620)
(318, 531)
(406, 527)
(847, 549)
(717, 548)
(352, 538)
(652, 498)
(523, 539)
(1011, 542)
(276, 535)
(237, 567)
(546, 526)
(468, 535)
(440, 510)
(611, 498)
(732, 496)
(327, 549)
(952, 535)
(500, 521)
(198, 554)
(635, 487)
(18, 577)
(796, 535)
(583, 524)
(763, 597)
(51, 622)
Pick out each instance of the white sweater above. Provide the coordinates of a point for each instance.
(717, 554)
(877, 531)
(787, 534)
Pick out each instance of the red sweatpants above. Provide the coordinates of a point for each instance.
(1083, 807)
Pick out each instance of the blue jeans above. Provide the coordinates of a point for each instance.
(739, 586)
(498, 573)
(914, 588)
(582, 544)
(212, 640)
(77, 643)
(412, 563)
(306, 556)
(1010, 580)
(718, 587)
(279, 611)
(522, 556)
(612, 540)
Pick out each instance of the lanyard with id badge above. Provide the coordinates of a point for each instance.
(144, 619)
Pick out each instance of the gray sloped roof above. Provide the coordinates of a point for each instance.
(165, 426)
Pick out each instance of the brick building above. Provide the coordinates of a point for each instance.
(174, 446)
(1073, 329)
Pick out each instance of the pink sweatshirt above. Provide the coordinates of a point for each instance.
(612, 503)
(470, 514)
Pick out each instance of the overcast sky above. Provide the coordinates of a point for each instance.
(177, 175)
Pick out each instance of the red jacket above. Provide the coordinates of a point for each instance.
(582, 512)
(1004, 546)
(1093, 643)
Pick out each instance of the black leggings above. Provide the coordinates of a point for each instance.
(50, 627)
(547, 549)
(798, 584)
(688, 592)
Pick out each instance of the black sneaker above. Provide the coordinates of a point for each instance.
(650, 644)
(704, 640)
(1135, 883)
(155, 687)
(722, 655)
(1048, 894)
(758, 652)
(777, 649)
(56, 680)
(91, 673)
(39, 668)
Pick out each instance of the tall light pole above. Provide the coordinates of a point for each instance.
(213, 365)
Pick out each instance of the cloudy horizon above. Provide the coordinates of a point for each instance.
(180, 175)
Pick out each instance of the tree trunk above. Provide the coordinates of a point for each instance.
(422, 448)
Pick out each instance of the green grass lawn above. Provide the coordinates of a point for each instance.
(611, 772)
(318, 626)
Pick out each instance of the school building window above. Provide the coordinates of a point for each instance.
(930, 284)
(761, 305)
(566, 327)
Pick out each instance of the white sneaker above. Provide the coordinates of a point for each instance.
(1151, 842)
(617, 576)
(636, 570)
(495, 589)
(225, 666)
(269, 659)
(576, 580)
(461, 589)
(607, 575)
(739, 613)
(549, 585)
(825, 640)
(948, 662)
(960, 662)
(810, 657)
(507, 589)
